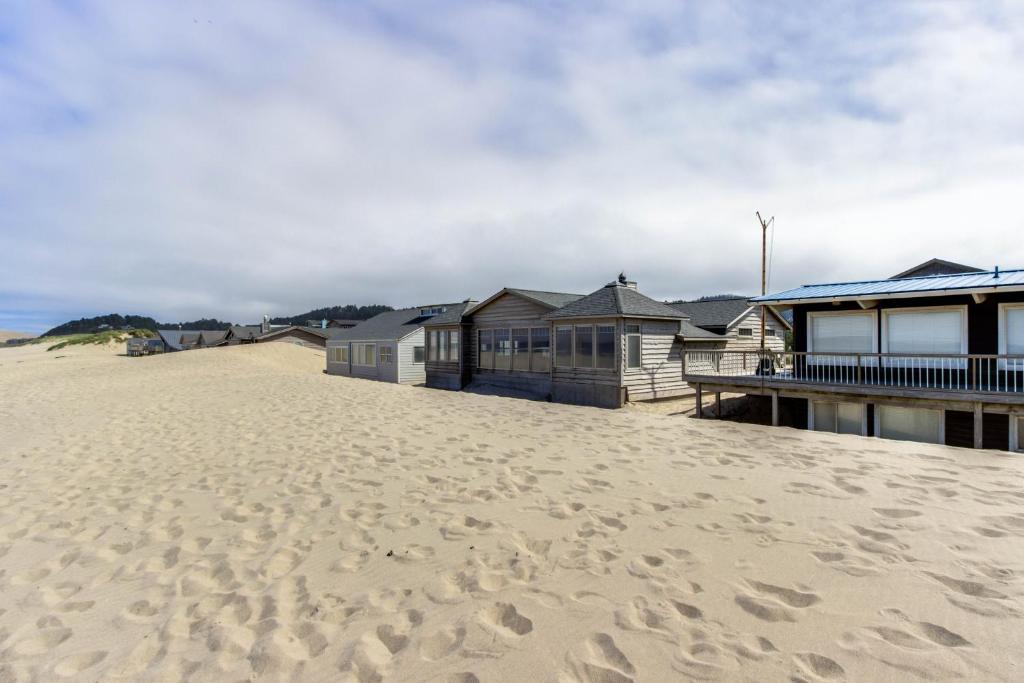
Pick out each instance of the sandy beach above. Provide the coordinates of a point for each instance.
(231, 514)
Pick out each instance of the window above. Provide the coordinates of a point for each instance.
(521, 349)
(485, 348)
(852, 332)
(838, 418)
(364, 354)
(925, 331)
(633, 346)
(432, 345)
(910, 424)
(606, 347)
(746, 332)
(540, 346)
(442, 345)
(1011, 335)
(434, 310)
(563, 347)
(769, 332)
(502, 350)
(418, 354)
(343, 354)
(385, 355)
(584, 357)
(453, 345)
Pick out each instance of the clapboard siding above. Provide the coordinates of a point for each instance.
(408, 371)
(661, 371)
(510, 310)
(752, 321)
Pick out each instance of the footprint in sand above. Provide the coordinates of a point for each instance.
(601, 662)
(443, 643)
(819, 666)
(772, 603)
(73, 665)
(506, 620)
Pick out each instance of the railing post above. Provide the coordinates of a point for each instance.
(859, 369)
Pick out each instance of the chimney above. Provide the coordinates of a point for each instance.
(323, 324)
(626, 282)
(265, 326)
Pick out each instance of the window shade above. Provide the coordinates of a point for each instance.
(925, 332)
(1014, 330)
(853, 333)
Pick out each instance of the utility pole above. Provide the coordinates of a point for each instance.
(764, 267)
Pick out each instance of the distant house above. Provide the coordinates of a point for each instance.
(737, 320)
(388, 347)
(140, 346)
(934, 358)
(342, 324)
(243, 334)
(310, 337)
(186, 340)
(936, 266)
(604, 349)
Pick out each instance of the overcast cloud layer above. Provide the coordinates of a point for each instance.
(232, 159)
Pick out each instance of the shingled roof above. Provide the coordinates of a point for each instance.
(452, 314)
(615, 300)
(549, 299)
(713, 312)
(387, 326)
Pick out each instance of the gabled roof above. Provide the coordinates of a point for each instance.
(713, 312)
(549, 299)
(933, 285)
(615, 300)
(936, 266)
(316, 331)
(213, 337)
(387, 326)
(452, 315)
(245, 332)
(691, 331)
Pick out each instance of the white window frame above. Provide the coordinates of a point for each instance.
(626, 334)
(863, 415)
(387, 356)
(827, 360)
(1004, 343)
(342, 353)
(923, 363)
(745, 332)
(358, 357)
(454, 345)
(417, 346)
(878, 419)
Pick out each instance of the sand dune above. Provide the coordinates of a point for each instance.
(10, 334)
(230, 514)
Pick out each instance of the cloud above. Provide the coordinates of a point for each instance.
(181, 159)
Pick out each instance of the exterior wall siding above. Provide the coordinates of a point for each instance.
(408, 371)
(661, 360)
(752, 321)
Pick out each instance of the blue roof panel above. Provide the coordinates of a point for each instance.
(960, 283)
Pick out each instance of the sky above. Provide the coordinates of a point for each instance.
(194, 159)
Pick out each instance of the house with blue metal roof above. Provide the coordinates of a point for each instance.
(934, 358)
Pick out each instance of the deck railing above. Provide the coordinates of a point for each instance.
(925, 371)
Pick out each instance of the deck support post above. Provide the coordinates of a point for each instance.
(1014, 434)
(775, 408)
(718, 404)
(979, 421)
(700, 402)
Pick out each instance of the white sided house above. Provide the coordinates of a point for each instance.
(738, 321)
(388, 347)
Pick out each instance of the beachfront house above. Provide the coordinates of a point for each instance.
(144, 346)
(309, 337)
(737, 320)
(603, 349)
(935, 358)
(388, 347)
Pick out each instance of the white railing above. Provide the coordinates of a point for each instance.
(961, 372)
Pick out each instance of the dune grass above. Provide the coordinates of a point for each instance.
(99, 338)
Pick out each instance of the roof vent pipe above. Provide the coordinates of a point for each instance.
(997, 273)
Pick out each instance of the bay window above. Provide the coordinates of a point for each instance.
(432, 345)
(485, 350)
(540, 349)
(502, 350)
(605, 347)
(453, 345)
(563, 347)
(584, 356)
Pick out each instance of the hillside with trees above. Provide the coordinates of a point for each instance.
(348, 312)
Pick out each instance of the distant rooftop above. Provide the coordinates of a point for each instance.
(934, 285)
